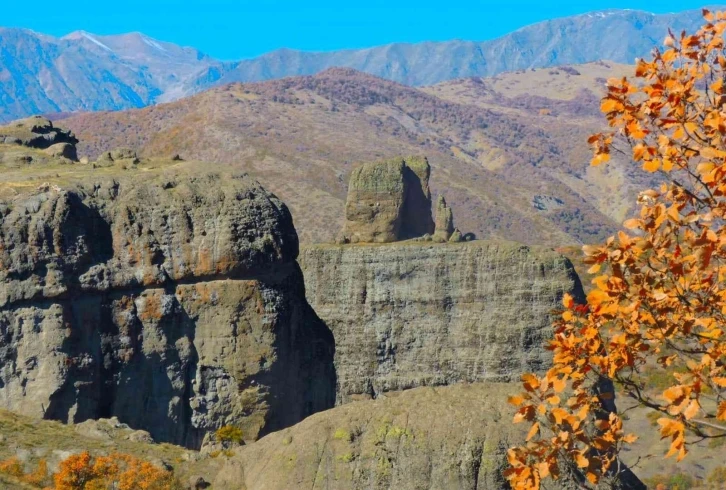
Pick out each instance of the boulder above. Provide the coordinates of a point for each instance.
(105, 157)
(62, 150)
(123, 154)
(198, 483)
(456, 236)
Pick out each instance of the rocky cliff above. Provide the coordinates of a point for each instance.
(166, 297)
(413, 314)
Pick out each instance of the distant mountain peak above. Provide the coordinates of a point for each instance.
(81, 35)
(86, 71)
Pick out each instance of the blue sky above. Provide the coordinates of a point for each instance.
(234, 29)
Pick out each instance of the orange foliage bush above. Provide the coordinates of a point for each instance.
(661, 295)
(14, 467)
(115, 471)
(84, 472)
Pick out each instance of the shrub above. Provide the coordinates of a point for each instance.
(675, 481)
(229, 433)
(12, 467)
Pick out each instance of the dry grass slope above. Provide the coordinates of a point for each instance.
(499, 148)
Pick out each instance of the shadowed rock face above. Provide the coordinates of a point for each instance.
(388, 201)
(416, 218)
(174, 304)
(412, 314)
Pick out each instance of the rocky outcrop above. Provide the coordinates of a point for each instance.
(62, 150)
(444, 221)
(170, 301)
(35, 132)
(388, 201)
(449, 438)
(414, 314)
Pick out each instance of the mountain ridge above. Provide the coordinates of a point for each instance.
(510, 153)
(82, 71)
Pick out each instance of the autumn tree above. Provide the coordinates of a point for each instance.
(116, 471)
(659, 295)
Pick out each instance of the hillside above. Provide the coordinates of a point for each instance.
(88, 72)
(513, 166)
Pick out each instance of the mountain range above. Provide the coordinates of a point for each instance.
(88, 72)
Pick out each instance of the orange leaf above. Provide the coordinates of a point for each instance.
(630, 438)
(568, 301)
(610, 105)
(631, 224)
(558, 385)
(674, 393)
(553, 400)
(721, 413)
(651, 165)
(594, 269)
(669, 427)
(600, 158)
(559, 414)
(533, 431)
(516, 400)
(692, 410)
(530, 381)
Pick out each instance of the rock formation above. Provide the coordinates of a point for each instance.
(444, 221)
(388, 201)
(35, 141)
(413, 314)
(35, 132)
(450, 438)
(170, 300)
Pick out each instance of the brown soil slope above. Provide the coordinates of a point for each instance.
(512, 162)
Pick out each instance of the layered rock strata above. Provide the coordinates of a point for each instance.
(414, 314)
(170, 301)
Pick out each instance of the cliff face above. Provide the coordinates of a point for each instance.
(412, 314)
(171, 301)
